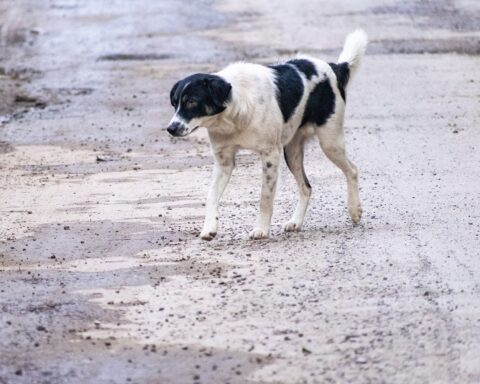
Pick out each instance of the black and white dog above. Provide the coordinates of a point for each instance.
(269, 109)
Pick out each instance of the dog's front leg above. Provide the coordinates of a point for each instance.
(270, 162)
(224, 164)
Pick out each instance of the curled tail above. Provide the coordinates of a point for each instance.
(353, 50)
(349, 59)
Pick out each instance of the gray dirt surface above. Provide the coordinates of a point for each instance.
(103, 278)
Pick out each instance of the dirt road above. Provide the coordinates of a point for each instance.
(103, 278)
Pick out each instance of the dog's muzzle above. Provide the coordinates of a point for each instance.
(176, 129)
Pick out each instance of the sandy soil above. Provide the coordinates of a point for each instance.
(103, 278)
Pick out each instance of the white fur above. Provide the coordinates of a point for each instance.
(253, 120)
(354, 49)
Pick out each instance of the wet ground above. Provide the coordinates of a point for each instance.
(103, 276)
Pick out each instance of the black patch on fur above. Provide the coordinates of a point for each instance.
(305, 66)
(200, 95)
(305, 178)
(320, 104)
(175, 93)
(286, 157)
(289, 89)
(342, 71)
(269, 164)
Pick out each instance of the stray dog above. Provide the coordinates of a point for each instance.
(268, 109)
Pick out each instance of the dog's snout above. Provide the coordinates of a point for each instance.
(173, 128)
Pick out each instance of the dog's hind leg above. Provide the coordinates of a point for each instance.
(332, 141)
(270, 162)
(224, 164)
(293, 152)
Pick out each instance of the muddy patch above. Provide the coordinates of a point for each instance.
(15, 100)
(443, 14)
(116, 162)
(148, 363)
(29, 101)
(20, 73)
(464, 46)
(74, 91)
(55, 264)
(134, 57)
(66, 241)
(48, 334)
(5, 147)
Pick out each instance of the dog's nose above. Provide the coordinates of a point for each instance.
(173, 128)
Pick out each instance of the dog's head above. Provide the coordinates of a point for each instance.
(195, 98)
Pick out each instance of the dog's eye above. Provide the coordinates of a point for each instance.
(190, 103)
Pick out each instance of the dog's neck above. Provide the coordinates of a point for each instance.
(224, 123)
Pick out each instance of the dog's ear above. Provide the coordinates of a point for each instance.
(220, 91)
(175, 94)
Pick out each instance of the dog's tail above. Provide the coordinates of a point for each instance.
(353, 50)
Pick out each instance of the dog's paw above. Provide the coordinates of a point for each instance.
(208, 235)
(258, 233)
(291, 226)
(355, 213)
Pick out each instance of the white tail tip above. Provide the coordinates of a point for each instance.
(354, 49)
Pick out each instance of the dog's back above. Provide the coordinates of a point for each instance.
(304, 92)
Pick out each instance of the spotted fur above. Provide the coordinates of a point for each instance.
(270, 110)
